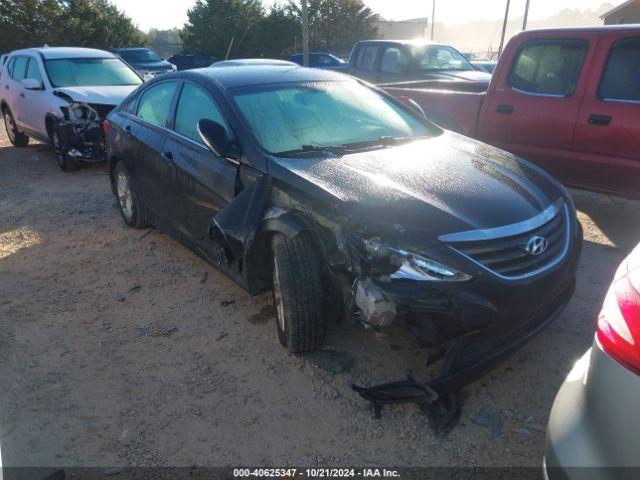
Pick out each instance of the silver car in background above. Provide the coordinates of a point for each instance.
(594, 426)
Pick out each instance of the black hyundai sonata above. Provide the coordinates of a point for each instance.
(349, 205)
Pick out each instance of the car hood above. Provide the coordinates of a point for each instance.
(463, 75)
(163, 65)
(433, 186)
(107, 95)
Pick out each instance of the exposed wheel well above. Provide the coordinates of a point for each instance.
(111, 163)
(48, 123)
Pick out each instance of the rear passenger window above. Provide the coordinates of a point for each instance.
(367, 58)
(193, 106)
(548, 67)
(393, 61)
(155, 103)
(621, 77)
(19, 68)
(12, 62)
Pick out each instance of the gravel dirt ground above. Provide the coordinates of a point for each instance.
(121, 347)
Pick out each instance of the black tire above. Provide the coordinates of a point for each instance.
(301, 313)
(17, 138)
(65, 162)
(127, 197)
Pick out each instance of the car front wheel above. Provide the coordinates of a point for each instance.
(17, 138)
(298, 293)
(128, 201)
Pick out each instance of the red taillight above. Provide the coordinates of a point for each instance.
(619, 322)
(105, 127)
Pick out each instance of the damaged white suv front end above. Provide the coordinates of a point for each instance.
(62, 96)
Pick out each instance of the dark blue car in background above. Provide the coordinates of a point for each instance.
(320, 60)
(144, 61)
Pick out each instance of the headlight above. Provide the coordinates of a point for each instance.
(417, 267)
(414, 266)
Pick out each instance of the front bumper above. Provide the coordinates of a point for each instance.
(476, 325)
(87, 145)
(594, 422)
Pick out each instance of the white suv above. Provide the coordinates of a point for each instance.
(61, 96)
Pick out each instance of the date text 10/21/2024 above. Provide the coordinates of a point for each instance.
(315, 473)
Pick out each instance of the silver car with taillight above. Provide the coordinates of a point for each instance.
(595, 420)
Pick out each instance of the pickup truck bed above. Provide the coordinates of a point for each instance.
(565, 99)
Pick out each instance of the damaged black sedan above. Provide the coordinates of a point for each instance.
(350, 206)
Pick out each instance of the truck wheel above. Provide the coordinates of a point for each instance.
(298, 293)
(17, 138)
(128, 202)
(66, 163)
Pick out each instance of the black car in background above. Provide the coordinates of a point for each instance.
(188, 61)
(145, 61)
(348, 205)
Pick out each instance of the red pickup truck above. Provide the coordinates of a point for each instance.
(565, 99)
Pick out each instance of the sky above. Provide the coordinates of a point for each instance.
(165, 14)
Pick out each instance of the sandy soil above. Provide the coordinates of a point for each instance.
(121, 347)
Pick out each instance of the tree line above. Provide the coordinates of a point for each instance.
(215, 28)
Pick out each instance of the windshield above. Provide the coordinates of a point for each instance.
(142, 55)
(288, 117)
(90, 72)
(439, 57)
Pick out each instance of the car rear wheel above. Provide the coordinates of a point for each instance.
(17, 138)
(128, 201)
(66, 163)
(298, 293)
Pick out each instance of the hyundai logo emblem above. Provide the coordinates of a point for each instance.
(536, 245)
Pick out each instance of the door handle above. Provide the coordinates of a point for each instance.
(595, 119)
(6, 87)
(169, 157)
(22, 95)
(505, 109)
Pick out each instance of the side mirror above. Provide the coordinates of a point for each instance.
(214, 136)
(414, 105)
(31, 84)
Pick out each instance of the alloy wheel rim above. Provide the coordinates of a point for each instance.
(124, 195)
(278, 295)
(8, 123)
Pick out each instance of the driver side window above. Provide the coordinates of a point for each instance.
(194, 105)
(33, 70)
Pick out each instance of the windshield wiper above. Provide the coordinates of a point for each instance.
(313, 147)
(339, 150)
(386, 141)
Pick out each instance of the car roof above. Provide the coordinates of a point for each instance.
(587, 29)
(244, 76)
(128, 49)
(417, 42)
(52, 53)
(239, 62)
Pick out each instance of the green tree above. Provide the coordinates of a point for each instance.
(217, 26)
(337, 24)
(164, 42)
(28, 23)
(83, 23)
(278, 32)
(98, 24)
